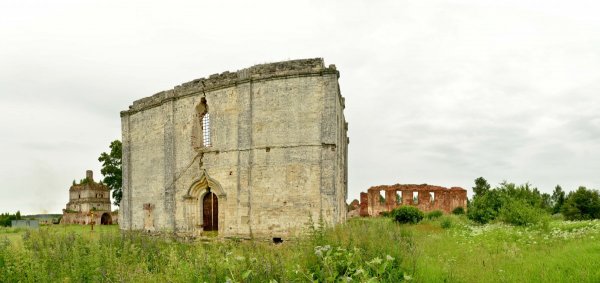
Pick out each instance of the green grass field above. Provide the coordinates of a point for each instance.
(365, 250)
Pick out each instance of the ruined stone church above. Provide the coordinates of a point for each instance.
(252, 153)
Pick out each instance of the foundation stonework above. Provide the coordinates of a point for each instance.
(380, 199)
(252, 153)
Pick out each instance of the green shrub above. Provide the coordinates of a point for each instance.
(520, 213)
(434, 214)
(407, 214)
(582, 204)
(446, 222)
(458, 211)
(485, 208)
(385, 214)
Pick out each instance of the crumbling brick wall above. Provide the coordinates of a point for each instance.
(425, 197)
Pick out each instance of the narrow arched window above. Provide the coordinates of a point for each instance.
(201, 134)
(205, 122)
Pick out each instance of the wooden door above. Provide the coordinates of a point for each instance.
(210, 205)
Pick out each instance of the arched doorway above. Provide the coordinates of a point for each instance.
(201, 207)
(105, 219)
(210, 213)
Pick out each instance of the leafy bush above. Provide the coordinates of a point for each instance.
(6, 218)
(520, 213)
(446, 222)
(385, 214)
(337, 264)
(458, 211)
(488, 205)
(407, 214)
(434, 214)
(485, 208)
(582, 204)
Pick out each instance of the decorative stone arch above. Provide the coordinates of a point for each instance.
(199, 185)
(193, 201)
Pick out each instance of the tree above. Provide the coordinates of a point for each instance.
(485, 208)
(518, 205)
(546, 202)
(582, 204)
(481, 186)
(112, 170)
(558, 199)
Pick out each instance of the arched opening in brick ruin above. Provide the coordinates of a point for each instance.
(105, 219)
(381, 196)
(210, 211)
(415, 197)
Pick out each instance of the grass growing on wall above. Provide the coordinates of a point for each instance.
(376, 250)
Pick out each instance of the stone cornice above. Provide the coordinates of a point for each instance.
(262, 72)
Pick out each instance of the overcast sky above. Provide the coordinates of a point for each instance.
(437, 92)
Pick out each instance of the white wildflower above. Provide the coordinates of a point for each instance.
(376, 260)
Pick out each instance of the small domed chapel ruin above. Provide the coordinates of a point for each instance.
(252, 153)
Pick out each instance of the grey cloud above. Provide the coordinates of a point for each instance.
(436, 92)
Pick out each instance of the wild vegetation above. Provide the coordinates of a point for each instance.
(450, 248)
(6, 218)
(525, 205)
(112, 170)
(509, 234)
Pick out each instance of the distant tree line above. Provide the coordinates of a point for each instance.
(6, 218)
(524, 204)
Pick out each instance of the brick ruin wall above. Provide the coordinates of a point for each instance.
(428, 198)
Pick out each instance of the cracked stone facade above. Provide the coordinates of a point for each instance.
(384, 198)
(259, 151)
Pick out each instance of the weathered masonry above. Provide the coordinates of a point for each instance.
(89, 201)
(425, 197)
(252, 153)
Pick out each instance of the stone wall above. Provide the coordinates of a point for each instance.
(278, 153)
(85, 197)
(85, 218)
(425, 197)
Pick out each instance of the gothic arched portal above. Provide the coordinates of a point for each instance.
(202, 202)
